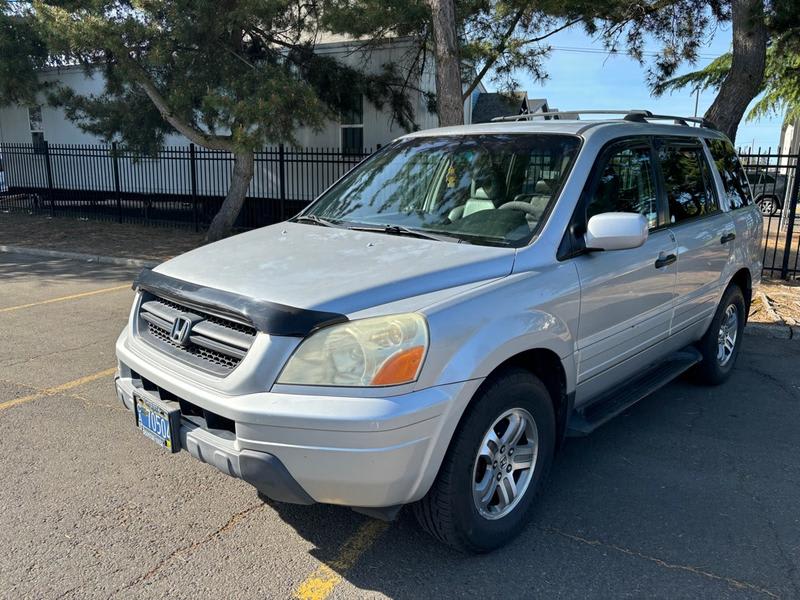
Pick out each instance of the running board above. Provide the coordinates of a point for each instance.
(584, 421)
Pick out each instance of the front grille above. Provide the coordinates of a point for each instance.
(212, 343)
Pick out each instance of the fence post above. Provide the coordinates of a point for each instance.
(193, 174)
(282, 179)
(117, 186)
(49, 172)
(790, 225)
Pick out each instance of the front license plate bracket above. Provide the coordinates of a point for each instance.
(158, 420)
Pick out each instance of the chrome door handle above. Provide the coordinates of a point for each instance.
(665, 260)
(728, 237)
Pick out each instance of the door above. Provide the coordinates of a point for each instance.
(703, 231)
(626, 295)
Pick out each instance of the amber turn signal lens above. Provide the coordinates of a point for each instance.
(400, 368)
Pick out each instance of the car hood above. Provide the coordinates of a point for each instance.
(336, 270)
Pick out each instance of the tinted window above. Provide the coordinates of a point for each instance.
(484, 189)
(732, 173)
(687, 182)
(626, 185)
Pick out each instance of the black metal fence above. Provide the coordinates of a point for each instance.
(774, 179)
(181, 186)
(184, 187)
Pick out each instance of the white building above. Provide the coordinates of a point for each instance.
(370, 126)
(72, 170)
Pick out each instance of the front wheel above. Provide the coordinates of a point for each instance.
(721, 343)
(768, 206)
(495, 466)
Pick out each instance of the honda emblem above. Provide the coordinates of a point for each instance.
(181, 329)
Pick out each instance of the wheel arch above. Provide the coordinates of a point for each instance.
(549, 368)
(545, 364)
(744, 280)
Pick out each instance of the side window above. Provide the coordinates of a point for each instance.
(36, 127)
(626, 184)
(733, 176)
(352, 126)
(687, 181)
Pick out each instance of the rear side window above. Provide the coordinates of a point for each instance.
(626, 184)
(733, 176)
(687, 181)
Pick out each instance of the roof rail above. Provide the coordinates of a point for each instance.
(635, 116)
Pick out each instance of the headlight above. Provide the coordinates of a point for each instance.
(368, 352)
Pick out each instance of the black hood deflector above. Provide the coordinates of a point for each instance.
(269, 317)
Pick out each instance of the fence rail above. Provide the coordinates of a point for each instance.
(184, 186)
(774, 179)
(181, 186)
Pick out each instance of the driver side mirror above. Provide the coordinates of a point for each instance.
(616, 231)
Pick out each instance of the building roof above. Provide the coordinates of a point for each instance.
(494, 104)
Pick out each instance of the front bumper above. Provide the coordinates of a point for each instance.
(366, 452)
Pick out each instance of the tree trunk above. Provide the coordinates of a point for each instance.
(222, 225)
(449, 105)
(746, 76)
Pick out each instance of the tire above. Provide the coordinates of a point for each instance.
(716, 366)
(768, 205)
(450, 511)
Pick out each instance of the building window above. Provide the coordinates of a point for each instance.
(36, 127)
(352, 127)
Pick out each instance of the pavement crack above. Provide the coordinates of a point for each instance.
(737, 583)
(49, 354)
(189, 548)
(791, 567)
(791, 391)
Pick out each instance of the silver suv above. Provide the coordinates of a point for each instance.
(432, 327)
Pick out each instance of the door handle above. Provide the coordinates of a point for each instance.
(663, 261)
(728, 237)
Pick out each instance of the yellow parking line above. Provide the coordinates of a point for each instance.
(321, 582)
(51, 391)
(63, 298)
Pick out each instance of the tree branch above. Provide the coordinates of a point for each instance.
(212, 142)
(502, 46)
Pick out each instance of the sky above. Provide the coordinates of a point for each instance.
(584, 76)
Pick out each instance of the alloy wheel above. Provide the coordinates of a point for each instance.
(505, 463)
(728, 331)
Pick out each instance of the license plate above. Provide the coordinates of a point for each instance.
(158, 421)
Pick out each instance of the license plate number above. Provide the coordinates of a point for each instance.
(157, 421)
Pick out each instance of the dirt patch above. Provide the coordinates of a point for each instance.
(95, 237)
(776, 301)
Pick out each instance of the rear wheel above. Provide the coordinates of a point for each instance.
(495, 466)
(720, 345)
(768, 205)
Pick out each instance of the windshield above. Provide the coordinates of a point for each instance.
(483, 189)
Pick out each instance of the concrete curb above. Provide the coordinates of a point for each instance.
(776, 331)
(107, 260)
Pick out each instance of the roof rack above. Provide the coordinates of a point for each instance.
(635, 116)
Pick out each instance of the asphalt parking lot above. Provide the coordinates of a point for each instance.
(695, 492)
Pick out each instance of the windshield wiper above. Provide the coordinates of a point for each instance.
(402, 230)
(317, 221)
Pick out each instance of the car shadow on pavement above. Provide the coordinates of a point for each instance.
(24, 266)
(690, 493)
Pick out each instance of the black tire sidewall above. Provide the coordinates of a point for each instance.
(515, 389)
(709, 369)
(773, 203)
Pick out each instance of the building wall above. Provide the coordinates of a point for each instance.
(379, 127)
(164, 176)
